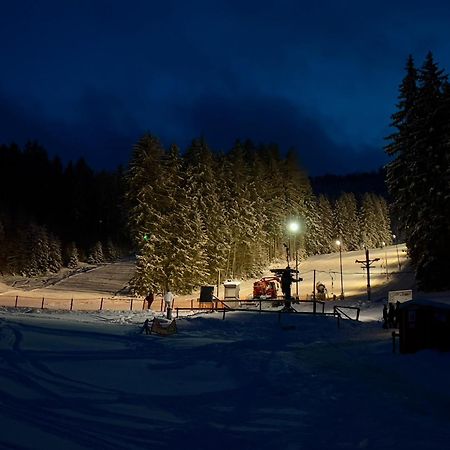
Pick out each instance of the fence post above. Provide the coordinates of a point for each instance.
(357, 314)
(260, 303)
(192, 303)
(17, 299)
(131, 305)
(223, 317)
(162, 301)
(42, 305)
(101, 304)
(71, 304)
(314, 305)
(143, 304)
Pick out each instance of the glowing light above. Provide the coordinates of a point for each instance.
(338, 242)
(293, 227)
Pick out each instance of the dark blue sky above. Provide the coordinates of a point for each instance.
(87, 78)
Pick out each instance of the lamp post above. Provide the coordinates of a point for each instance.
(339, 244)
(396, 248)
(294, 228)
(383, 244)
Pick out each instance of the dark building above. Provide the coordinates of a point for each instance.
(424, 324)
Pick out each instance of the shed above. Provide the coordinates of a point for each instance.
(231, 290)
(424, 324)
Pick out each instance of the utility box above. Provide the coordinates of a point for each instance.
(231, 290)
(424, 324)
(206, 293)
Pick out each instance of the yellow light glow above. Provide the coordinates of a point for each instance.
(293, 227)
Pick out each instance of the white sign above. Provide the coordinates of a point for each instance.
(399, 296)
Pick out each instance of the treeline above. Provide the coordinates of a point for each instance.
(52, 215)
(202, 212)
(418, 177)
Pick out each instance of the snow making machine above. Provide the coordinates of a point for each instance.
(266, 288)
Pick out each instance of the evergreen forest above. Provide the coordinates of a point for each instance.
(199, 214)
(418, 175)
(53, 216)
(186, 217)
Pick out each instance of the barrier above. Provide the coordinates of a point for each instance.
(71, 304)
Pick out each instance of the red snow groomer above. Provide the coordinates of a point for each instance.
(266, 287)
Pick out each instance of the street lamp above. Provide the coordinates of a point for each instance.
(294, 228)
(383, 244)
(339, 244)
(396, 248)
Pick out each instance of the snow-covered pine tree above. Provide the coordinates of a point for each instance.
(112, 253)
(429, 237)
(96, 254)
(320, 232)
(54, 254)
(242, 215)
(299, 200)
(145, 191)
(186, 264)
(203, 182)
(72, 256)
(383, 220)
(418, 177)
(346, 225)
(368, 222)
(400, 170)
(271, 190)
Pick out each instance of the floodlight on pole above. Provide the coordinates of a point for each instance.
(339, 244)
(294, 228)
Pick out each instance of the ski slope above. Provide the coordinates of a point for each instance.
(81, 380)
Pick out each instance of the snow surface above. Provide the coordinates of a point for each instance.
(84, 380)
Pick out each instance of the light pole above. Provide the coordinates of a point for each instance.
(396, 248)
(383, 244)
(294, 228)
(339, 244)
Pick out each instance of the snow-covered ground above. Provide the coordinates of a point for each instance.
(84, 380)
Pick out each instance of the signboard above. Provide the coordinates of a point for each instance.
(399, 296)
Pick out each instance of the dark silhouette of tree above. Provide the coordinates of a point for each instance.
(418, 177)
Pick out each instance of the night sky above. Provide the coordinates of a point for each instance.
(88, 78)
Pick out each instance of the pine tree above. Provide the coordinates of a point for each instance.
(72, 256)
(112, 253)
(418, 177)
(346, 224)
(96, 254)
(203, 186)
(368, 220)
(320, 236)
(54, 254)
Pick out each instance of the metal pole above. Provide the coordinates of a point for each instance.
(342, 276)
(368, 274)
(396, 248)
(314, 285)
(218, 284)
(386, 261)
(296, 268)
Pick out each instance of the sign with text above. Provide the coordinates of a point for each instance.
(400, 296)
